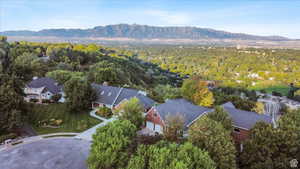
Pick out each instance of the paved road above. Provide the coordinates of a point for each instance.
(51, 153)
(55, 153)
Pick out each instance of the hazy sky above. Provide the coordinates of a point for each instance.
(261, 17)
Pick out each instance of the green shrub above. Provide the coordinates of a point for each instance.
(104, 112)
(46, 101)
(34, 100)
(8, 136)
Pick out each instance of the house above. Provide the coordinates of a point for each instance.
(112, 97)
(156, 116)
(242, 120)
(42, 89)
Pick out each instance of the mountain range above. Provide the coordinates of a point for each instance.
(141, 32)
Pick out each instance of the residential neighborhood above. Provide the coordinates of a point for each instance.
(149, 84)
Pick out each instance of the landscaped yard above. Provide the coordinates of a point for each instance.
(57, 115)
(279, 88)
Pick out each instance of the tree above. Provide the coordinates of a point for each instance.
(131, 110)
(211, 136)
(28, 65)
(189, 88)
(273, 148)
(11, 104)
(5, 61)
(165, 92)
(259, 108)
(104, 71)
(173, 130)
(203, 96)
(170, 156)
(111, 144)
(62, 76)
(195, 90)
(221, 116)
(79, 94)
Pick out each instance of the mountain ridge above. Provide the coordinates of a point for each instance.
(136, 31)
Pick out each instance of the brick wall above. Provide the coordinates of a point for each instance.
(240, 135)
(154, 117)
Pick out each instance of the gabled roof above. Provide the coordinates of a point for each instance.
(111, 95)
(106, 94)
(245, 119)
(186, 109)
(45, 82)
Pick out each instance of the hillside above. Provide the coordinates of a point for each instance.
(142, 32)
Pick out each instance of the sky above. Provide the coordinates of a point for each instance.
(259, 17)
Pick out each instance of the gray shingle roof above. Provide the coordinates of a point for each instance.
(119, 94)
(245, 119)
(106, 94)
(189, 111)
(48, 83)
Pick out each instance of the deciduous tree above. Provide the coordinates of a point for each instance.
(273, 148)
(79, 94)
(211, 136)
(170, 156)
(173, 130)
(111, 144)
(11, 103)
(220, 115)
(131, 110)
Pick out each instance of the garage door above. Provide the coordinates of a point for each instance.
(150, 125)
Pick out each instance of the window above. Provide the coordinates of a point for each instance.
(236, 130)
(102, 93)
(154, 114)
(109, 94)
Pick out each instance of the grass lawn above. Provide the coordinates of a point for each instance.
(71, 122)
(279, 88)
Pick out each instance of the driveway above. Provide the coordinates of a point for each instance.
(56, 153)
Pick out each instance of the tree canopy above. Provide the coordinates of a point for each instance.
(273, 148)
(220, 115)
(170, 156)
(110, 148)
(211, 136)
(79, 94)
(131, 110)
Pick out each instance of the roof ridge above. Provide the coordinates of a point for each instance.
(121, 89)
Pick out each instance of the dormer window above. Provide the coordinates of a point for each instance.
(109, 94)
(102, 93)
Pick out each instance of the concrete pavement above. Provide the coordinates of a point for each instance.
(51, 153)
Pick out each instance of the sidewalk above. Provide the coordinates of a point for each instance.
(87, 135)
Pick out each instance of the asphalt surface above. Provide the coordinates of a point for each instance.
(56, 153)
